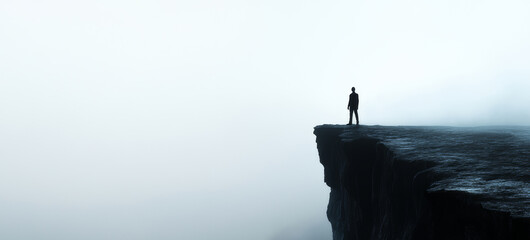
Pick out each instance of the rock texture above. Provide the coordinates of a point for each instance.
(377, 193)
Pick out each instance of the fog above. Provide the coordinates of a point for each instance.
(193, 119)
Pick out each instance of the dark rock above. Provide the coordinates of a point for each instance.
(378, 194)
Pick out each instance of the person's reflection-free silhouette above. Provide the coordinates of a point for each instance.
(353, 105)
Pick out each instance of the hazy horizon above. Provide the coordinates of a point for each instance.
(193, 120)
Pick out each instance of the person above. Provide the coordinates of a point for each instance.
(353, 105)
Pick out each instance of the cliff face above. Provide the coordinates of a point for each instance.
(375, 194)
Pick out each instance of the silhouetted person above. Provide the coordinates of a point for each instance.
(353, 105)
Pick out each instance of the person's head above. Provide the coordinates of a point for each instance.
(353, 89)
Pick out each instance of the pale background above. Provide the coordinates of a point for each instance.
(193, 119)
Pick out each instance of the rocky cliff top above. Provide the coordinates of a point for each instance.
(491, 163)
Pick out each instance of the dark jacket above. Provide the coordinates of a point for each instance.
(354, 101)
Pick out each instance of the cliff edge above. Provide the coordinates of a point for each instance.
(423, 183)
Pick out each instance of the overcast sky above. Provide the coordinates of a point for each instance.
(193, 119)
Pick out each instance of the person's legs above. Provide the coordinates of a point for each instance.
(351, 113)
(356, 116)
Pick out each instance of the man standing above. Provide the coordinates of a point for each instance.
(353, 105)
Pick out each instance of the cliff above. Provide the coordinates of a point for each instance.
(402, 183)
